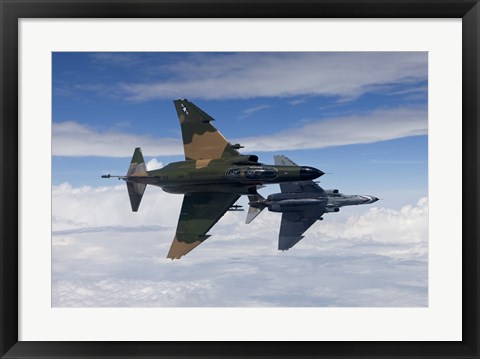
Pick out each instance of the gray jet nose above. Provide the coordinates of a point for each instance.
(373, 199)
(309, 173)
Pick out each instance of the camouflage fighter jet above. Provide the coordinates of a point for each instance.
(301, 204)
(212, 177)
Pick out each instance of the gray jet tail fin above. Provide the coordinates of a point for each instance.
(256, 206)
(281, 160)
(137, 169)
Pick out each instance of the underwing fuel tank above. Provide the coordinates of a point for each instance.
(293, 205)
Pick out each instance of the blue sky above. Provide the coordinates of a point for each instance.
(95, 90)
(360, 117)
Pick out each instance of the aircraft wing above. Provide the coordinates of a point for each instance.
(304, 186)
(201, 141)
(199, 213)
(294, 224)
(295, 187)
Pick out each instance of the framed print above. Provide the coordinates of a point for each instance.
(329, 211)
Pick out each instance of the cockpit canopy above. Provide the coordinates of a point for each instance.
(252, 173)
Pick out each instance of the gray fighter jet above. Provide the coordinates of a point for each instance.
(301, 204)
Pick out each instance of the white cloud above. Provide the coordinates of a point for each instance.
(105, 255)
(297, 102)
(74, 139)
(410, 223)
(121, 293)
(88, 207)
(251, 110)
(398, 234)
(115, 59)
(153, 164)
(379, 125)
(248, 75)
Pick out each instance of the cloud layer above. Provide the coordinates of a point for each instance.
(248, 75)
(105, 255)
(71, 138)
(379, 125)
(74, 139)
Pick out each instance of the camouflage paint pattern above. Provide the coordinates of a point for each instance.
(212, 177)
(137, 168)
(137, 164)
(200, 139)
(180, 248)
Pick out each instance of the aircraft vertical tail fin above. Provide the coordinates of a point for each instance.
(281, 160)
(137, 169)
(256, 206)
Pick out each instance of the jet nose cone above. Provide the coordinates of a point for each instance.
(373, 199)
(309, 173)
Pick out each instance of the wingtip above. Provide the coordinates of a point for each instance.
(287, 242)
(178, 249)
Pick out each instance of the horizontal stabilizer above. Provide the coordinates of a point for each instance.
(135, 192)
(252, 214)
(137, 169)
(256, 207)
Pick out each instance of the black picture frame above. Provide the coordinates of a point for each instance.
(12, 10)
